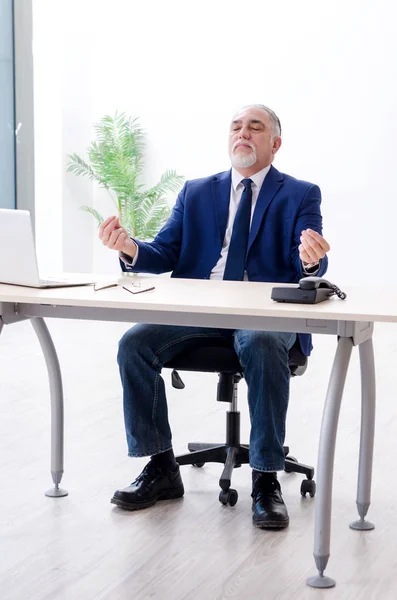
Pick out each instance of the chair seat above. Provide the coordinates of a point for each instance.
(221, 358)
(209, 359)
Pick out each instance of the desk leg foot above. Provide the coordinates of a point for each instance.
(320, 580)
(361, 524)
(56, 491)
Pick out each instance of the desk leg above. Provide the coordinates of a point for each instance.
(325, 468)
(368, 395)
(56, 392)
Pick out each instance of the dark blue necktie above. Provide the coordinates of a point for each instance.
(235, 263)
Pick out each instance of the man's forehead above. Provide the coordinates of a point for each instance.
(248, 114)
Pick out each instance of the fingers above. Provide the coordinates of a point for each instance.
(104, 224)
(307, 255)
(117, 239)
(107, 228)
(313, 246)
(317, 238)
(113, 235)
(310, 248)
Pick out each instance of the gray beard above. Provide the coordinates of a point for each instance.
(243, 161)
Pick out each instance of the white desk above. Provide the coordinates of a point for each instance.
(228, 305)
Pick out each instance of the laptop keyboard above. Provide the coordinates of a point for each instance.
(44, 281)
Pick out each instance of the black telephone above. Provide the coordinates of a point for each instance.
(309, 290)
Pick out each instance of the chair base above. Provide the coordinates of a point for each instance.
(233, 456)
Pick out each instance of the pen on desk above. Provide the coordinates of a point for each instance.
(104, 286)
(138, 291)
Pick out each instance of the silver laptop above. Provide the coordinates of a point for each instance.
(18, 260)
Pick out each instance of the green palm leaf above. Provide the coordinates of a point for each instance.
(153, 212)
(78, 166)
(169, 182)
(93, 212)
(115, 161)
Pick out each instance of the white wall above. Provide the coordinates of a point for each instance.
(63, 115)
(327, 69)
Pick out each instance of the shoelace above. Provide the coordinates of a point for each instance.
(266, 486)
(149, 470)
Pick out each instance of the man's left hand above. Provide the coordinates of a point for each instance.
(313, 246)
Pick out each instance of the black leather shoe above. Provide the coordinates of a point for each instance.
(267, 503)
(154, 483)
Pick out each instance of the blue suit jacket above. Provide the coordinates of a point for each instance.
(190, 242)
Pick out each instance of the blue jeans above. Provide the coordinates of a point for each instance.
(144, 349)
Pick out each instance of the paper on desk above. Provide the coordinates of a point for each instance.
(137, 288)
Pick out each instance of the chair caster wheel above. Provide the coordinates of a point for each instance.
(292, 459)
(230, 497)
(198, 465)
(308, 486)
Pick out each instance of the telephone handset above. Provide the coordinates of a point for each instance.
(309, 290)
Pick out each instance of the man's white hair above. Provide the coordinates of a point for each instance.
(273, 117)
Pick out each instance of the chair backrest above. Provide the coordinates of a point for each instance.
(297, 360)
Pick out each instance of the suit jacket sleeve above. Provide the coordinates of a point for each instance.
(309, 217)
(161, 255)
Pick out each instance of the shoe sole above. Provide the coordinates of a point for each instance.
(171, 495)
(271, 524)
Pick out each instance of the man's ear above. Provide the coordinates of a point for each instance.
(276, 144)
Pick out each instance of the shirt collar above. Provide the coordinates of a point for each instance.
(258, 178)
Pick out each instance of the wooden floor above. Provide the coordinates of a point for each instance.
(83, 548)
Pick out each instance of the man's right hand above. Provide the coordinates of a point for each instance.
(115, 237)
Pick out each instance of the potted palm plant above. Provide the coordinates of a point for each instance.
(115, 162)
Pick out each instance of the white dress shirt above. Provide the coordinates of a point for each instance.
(236, 191)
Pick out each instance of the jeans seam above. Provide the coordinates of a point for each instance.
(240, 348)
(148, 453)
(154, 411)
(267, 468)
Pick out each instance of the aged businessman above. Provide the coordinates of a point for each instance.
(251, 223)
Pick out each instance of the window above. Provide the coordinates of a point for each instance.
(7, 103)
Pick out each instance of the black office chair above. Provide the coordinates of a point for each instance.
(220, 357)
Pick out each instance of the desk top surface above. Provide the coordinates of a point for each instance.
(213, 297)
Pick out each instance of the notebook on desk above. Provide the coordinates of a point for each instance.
(18, 259)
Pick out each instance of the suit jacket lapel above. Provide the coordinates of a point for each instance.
(221, 195)
(269, 189)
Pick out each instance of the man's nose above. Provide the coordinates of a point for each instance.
(244, 133)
